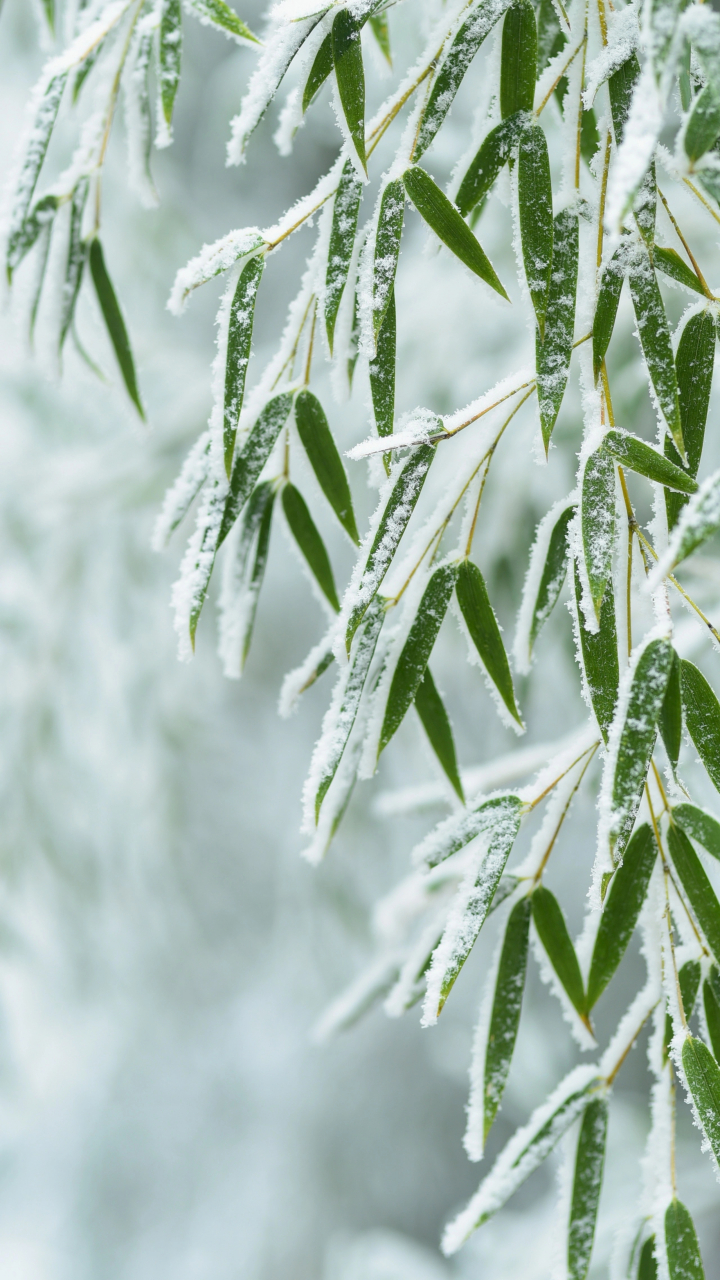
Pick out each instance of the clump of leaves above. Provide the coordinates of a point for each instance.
(613, 79)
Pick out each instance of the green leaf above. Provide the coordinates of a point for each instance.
(694, 880)
(381, 32)
(518, 59)
(638, 456)
(253, 455)
(702, 718)
(701, 825)
(417, 649)
(505, 1015)
(703, 1077)
(597, 518)
(637, 738)
(703, 126)
(700, 521)
(645, 206)
(611, 283)
(681, 1243)
(75, 262)
(465, 45)
(554, 351)
(217, 13)
(655, 339)
(694, 363)
(324, 459)
(49, 10)
(711, 1005)
(553, 933)
(239, 341)
(444, 219)
(621, 86)
(536, 217)
(670, 719)
(304, 531)
(670, 262)
(550, 38)
(350, 76)
(382, 372)
(501, 813)
(553, 575)
(43, 125)
(587, 1182)
(689, 981)
(250, 561)
(484, 631)
(354, 683)
(623, 902)
(342, 239)
(38, 220)
(393, 522)
(43, 256)
(647, 1266)
(114, 322)
(387, 248)
(600, 658)
(436, 723)
(170, 55)
(494, 153)
(319, 71)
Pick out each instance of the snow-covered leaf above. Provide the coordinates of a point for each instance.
(381, 369)
(587, 1181)
(243, 578)
(694, 363)
(599, 651)
(703, 1077)
(536, 216)
(636, 455)
(621, 86)
(445, 220)
(554, 350)
(387, 248)
(699, 824)
(501, 813)
(611, 283)
(505, 1015)
(670, 262)
(320, 70)
(350, 76)
(670, 718)
(553, 933)
(38, 219)
(75, 261)
(655, 339)
(436, 723)
(694, 880)
(253, 455)
(169, 59)
(46, 110)
(702, 718)
(493, 154)
(484, 632)
(621, 908)
(324, 458)
(636, 728)
(305, 532)
(711, 1009)
(597, 516)
(681, 1242)
(552, 575)
(218, 14)
(239, 342)
(346, 207)
(518, 59)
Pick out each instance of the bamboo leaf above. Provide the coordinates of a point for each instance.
(305, 533)
(655, 339)
(38, 220)
(387, 248)
(611, 283)
(703, 125)
(711, 1006)
(587, 1182)
(75, 262)
(600, 658)
(703, 1077)
(536, 217)
(324, 459)
(239, 342)
(436, 723)
(553, 575)
(169, 55)
(319, 72)
(702, 718)
(701, 825)
(492, 156)
(518, 59)
(217, 13)
(699, 521)
(49, 11)
(681, 1243)
(637, 738)
(350, 76)
(647, 1266)
(553, 933)
(507, 1004)
(670, 719)
(114, 322)
(342, 239)
(381, 32)
(501, 813)
(694, 365)
(621, 86)
(670, 262)
(694, 880)
(393, 522)
(43, 125)
(444, 219)
(484, 631)
(597, 518)
(251, 459)
(554, 351)
(638, 456)
(382, 373)
(239, 605)
(417, 649)
(689, 976)
(623, 902)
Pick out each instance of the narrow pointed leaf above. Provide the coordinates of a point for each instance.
(671, 264)
(417, 649)
(319, 71)
(38, 220)
(518, 59)
(43, 126)
(703, 125)
(637, 738)
(305, 533)
(694, 363)
(350, 76)
(505, 1016)
(681, 1243)
(49, 11)
(621, 86)
(553, 933)
(381, 32)
(597, 515)
(689, 976)
(711, 1006)
(248, 572)
(553, 353)
(114, 322)
(703, 1076)
(647, 1265)
(694, 880)
(553, 575)
(536, 217)
(699, 521)
(587, 1182)
(670, 719)
(170, 55)
(251, 459)
(449, 226)
(501, 813)
(342, 239)
(702, 718)
(382, 372)
(484, 631)
(611, 283)
(76, 257)
(701, 825)
(387, 248)
(436, 723)
(324, 458)
(622, 906)
(465, 45)
(493, 155)
(600, 658)
(638, 456)
(239, 342)
(217, 13)
(655, 339)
